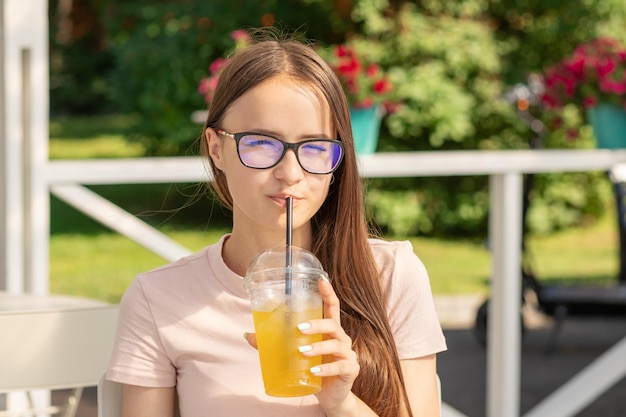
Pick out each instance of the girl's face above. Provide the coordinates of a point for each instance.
(292, 112)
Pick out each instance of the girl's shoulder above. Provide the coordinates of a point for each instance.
(196, 261)
(391, 250)
(397, 260)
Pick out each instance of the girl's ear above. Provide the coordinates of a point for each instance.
(214, 145)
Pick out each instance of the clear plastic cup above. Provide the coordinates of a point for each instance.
(282, 297)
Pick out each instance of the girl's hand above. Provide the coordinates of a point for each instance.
(340, 366)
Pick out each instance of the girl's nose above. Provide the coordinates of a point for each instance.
(289, 169)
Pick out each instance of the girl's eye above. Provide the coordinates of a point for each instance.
(314, 147)
(260, 141)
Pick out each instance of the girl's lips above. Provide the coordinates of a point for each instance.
(282, 200)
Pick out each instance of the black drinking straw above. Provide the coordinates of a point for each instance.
(289, 237)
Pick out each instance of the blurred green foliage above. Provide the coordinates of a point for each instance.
(451, 61)
(151, 54)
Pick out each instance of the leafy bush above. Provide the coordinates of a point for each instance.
(451, 63)
(163, 49)
(79, 60)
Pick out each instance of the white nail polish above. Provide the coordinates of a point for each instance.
(315, 370)
(305, 348)
(304, 326)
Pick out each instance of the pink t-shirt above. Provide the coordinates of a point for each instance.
(183, 324)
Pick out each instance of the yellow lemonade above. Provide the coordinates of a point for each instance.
(286, 370)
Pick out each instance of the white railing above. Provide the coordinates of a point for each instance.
(66, 179)
(63, 184)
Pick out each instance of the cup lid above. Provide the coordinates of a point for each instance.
(301, 260)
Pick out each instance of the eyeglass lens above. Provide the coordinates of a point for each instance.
(316, 156)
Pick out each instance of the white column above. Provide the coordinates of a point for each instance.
(24, 198)
(503, 343)
(37, 195)
(4, 269)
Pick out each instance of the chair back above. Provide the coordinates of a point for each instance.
(55, 349)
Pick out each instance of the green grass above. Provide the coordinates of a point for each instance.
(88, 260)
(92, 137)
(101, 265)
(454, 266)
(579, 255)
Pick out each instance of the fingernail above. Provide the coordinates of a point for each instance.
(315, 370)
(304, 326)
(245, 335)
(325, 278)
(305, 348)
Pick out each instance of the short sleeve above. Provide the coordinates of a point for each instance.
(139, 357)
(410, 305)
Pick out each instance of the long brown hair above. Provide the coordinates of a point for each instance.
(340, 230)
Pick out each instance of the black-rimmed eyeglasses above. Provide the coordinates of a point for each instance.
(261, 151)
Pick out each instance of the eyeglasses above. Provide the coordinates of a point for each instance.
(261, 151)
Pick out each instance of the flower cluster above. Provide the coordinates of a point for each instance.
(207, 85)
(595, 72)
(364, 84)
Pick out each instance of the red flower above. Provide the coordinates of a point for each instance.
(364, 83)
(381, 86)
(595, 72)
(373, 70)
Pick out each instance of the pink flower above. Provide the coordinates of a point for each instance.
(203, 87)
(617, 88)
(589, 101)
(550, 101)
(207, 85)
(595, 72)
(576, 67)
(217, 65)
(572, 134)
(605, 67)
(240, 35)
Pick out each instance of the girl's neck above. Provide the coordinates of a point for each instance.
(241, 247)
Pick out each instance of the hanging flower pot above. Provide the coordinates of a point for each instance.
(368, 90)
(365, 128)
(593, 77)
(609, 125)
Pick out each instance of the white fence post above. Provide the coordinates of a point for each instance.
(4, 238)
(24, 197)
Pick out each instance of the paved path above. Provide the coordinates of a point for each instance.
(462, 367)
